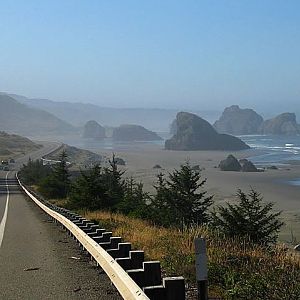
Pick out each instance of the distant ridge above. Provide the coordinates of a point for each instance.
(21, 119)
(78, 114)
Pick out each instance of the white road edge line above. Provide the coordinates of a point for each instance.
(4, 218)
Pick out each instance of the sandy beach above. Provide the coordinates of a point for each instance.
(272, 184)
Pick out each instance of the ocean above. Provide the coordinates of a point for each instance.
(277, 150)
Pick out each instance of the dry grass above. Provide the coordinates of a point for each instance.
(236, 270)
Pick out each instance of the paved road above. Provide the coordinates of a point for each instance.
(36, 255)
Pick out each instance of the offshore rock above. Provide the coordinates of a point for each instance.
(195, 133)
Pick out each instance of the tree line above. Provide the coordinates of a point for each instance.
(180, 198)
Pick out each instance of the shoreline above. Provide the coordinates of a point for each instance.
(272, 184)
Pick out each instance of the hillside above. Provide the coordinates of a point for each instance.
(78, 157)
(12, 145)
(21, 119)
(78, 114)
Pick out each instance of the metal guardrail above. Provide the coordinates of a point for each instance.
(126, 286)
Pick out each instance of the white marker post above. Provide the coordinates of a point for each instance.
(201, 268)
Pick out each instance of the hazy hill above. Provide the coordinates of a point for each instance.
(11, 144)
(22, 119)
(78, 114)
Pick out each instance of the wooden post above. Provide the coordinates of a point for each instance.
(201, 268)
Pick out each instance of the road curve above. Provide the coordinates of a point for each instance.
(38, 260)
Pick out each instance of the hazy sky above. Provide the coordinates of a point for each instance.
(180, 54)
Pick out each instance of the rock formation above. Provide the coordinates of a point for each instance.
(283, 124)
(134, 133)
(237, 121)
(194, 133)
(230, 164)
(93, 130)
(248, 166)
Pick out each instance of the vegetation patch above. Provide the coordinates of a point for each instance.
(238, 269)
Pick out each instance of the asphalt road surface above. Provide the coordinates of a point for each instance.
(38, 260)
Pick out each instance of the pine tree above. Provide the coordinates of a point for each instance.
(250, 218)
(180, 199)
(57, 184)
(34, 171)
(88, 191)
(134, 202)
(114, 183)
(61, 174)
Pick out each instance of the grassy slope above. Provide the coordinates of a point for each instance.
(78, 157)
(13, 145)
(236, 271)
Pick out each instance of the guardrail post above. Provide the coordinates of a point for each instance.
(152, 273)
(175, 288)
(138, 276)
(201, 268)
(137, 258)
(155, 292)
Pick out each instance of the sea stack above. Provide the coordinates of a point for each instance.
(93, 130)
(195, 133)
(237, 121)
(283, 124)
(134, 133)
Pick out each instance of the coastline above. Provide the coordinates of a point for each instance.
(272, 184)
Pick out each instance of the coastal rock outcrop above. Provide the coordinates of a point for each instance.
(283, 124)
(237, 121)
(248, 166)
(230, 164)
(93, 130)
(134, 133)
(194, 133)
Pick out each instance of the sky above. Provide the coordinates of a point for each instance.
(166, 54)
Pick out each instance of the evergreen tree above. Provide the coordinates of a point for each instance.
(134, 202)
(57, 184)
(89, 191)
(114, 183)
(34, 171)
(250, 218)
(180, 199)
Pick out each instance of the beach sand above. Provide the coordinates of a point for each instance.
(223, 185)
